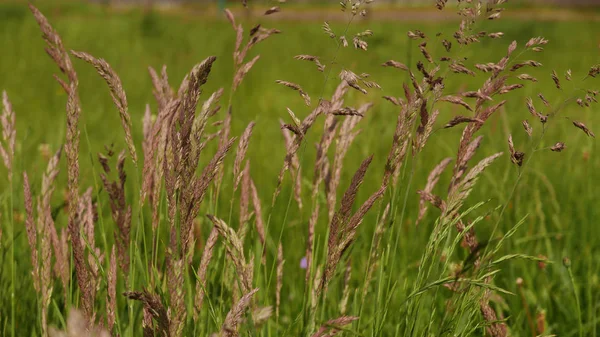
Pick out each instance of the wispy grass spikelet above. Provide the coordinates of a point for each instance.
(7, 119)
(332, 327)
(584, 128)
(342, 229)
(235, 250)
(31, 232)
(297, 88)
(120, 211)
(207, 254)
(56, 50)
(234, 317)
(155, 309)
(111, 292)
(432, 179)
(558, 147)
(527, 128)
(241, 154)
(116, 92)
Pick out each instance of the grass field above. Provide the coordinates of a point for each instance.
(554, 192)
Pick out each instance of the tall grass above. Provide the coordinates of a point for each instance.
(344, 220)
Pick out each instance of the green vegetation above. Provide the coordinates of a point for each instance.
(553, 207)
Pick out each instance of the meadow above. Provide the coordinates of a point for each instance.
(535, 259)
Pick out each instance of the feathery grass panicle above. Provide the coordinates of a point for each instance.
(440, 4)
(207, 254)
(345, 138)
(424, 130)
(416, 34)
(152, 178)
(457, 197)
(116, 92)
(349, 233)
(258, 215)
(466, 152)
(343, 306)
(120, 211)
(515, 156)
(432, 180)
(272, 10)
(155, 310)
(354, 81)
(234, 317)
(459, 120)
(321, 168)
(556, 79)
(343, 214)
(235, 250)
(315, 294)
(241, 154)
(296, 87)
(46, 280)
(81, 270)
(32, 232)
(342, 229)
(558, 147)
(152, 149)
(330, 127)
(225, 132)
(186, 140)
(200, 187)
(56, 50)
(162, 91)
(527, 127)
(48, 187)
(310, 58)
(177, 310)
(584, 128)
(111, 292)
(244, 211)
(62, 255)
(40, 238)
(456, 100)
(87, 215)
(400, 142)
(543, 99)
(534, 112)
(243, 71)
(49, 239)
(147, 150)
(594, 71)
(72, 154)
(508, 88)
(295, 163)
(423, 48)
(495, 328)
(332, 327)
(300, 131)
(527, 77)
(189, 90)
(9, 133)
(395, 64)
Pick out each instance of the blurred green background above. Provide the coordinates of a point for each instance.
(559, 193)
